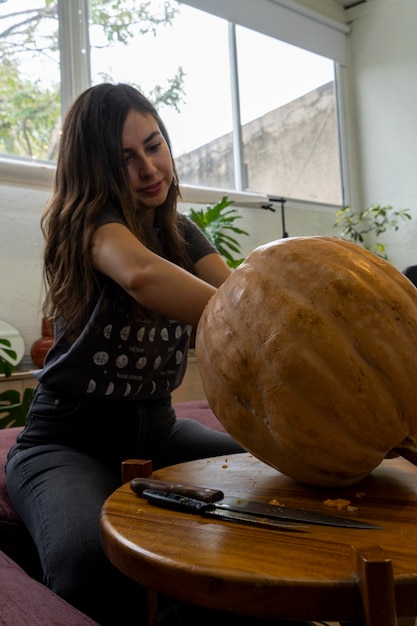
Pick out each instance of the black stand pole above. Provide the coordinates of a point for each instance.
(270, 207)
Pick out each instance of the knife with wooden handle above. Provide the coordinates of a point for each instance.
(205, 494)
(182, 496)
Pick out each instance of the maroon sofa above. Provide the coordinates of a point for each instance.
(200, 411)
(25, 601)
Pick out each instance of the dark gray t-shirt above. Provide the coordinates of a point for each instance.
(118, 356)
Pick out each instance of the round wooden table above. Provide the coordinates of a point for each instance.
(319, 573)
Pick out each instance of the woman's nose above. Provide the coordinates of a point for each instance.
(146, 168)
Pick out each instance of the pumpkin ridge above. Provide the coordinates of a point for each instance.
(256, 349)
(388, 347)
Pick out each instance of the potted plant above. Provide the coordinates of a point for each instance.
(375, 220)
(216, 222)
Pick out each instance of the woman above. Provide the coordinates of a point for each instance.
(127, 277)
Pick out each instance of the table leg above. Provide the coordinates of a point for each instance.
(374, 574)
(148, 614)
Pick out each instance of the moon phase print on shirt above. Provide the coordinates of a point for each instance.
(122, 361)
(144, 359)
(100, 358)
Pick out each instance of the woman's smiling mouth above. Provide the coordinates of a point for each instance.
(152, 190)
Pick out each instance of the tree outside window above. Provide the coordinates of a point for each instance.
(30, 112)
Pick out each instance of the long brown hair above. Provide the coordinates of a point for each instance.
(91, 174)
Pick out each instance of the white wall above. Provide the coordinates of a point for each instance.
(20, 260)
(384, 97)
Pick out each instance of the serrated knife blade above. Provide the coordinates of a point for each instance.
(228, 507)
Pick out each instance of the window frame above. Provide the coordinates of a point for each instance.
(76, 77)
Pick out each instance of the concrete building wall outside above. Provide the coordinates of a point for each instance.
(292, 151)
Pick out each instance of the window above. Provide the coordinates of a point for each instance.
(289, 119)
(244, 109)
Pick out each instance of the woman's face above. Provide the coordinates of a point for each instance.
(148, 160)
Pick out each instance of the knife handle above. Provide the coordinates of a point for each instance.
(138, 485)
(176, 501)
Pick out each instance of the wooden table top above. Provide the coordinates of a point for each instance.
(259, 571)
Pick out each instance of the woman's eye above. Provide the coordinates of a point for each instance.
(154, 147)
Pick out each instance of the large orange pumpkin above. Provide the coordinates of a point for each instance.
(308, 356)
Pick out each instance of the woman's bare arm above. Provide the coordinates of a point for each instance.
(154, 282)
(213, 269)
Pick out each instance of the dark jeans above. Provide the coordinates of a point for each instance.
(67, 461)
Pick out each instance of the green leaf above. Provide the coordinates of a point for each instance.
(374, 220)
(13, 408)
(216, 221)
(8, 357)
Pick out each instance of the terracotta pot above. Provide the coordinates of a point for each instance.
(41, 346)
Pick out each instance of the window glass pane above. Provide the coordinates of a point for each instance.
(289, 119)
(195, 49)
(29, 80)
